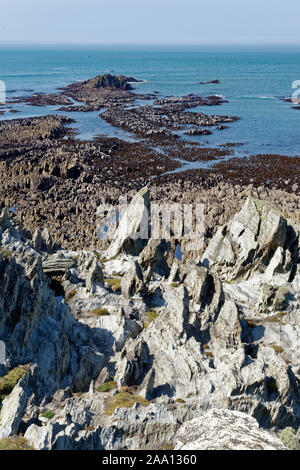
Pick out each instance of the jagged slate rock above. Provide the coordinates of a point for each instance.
(13, 408)
(90, 366)
(148, 384)
(141, 427)
(248, 240)
(5, 220)
(127, 236)
(102, 377)
(204, 353)
(226, 331)
(95, 275)
(131, 329)
(62, 436)
(133, 363)
(221, 429)
(37, 240)
(173, 273)
(56, 264)
(196, 282)
(48, 244)
(132, 282)
(152, 258)
(40, 438)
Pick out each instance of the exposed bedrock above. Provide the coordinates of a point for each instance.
(141, 350)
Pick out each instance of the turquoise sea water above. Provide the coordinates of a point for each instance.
(253, 83)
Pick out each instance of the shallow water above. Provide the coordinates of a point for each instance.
(252, 83)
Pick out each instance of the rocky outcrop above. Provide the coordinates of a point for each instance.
(111, 81)
(133, 228)
(225, 430)
(248, 241)
(56, 264)
(125, 353)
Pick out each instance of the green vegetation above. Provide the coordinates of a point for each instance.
(277, 349)
(277, 319)
(125, 399)
(180, 400)
(5, 253)
(151, 316)
(289, 438)
(14, 443)
(107, 386)
(48, 414)
(100, 312)
(106, 260)
(175, 284)
(97, 254)
(114, 282)
(9, 381)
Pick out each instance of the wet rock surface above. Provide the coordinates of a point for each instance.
(148, 120)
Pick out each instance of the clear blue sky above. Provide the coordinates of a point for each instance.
(151, 21)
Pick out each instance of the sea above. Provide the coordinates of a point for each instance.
(253, 83)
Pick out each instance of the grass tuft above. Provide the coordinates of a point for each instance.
(100, 312)
(15, 443)
(48, 414)
(151, 316)
(125, 399)
(5, 253)
(114, 282)
(107, 386)
(277, 349)
(9, 381)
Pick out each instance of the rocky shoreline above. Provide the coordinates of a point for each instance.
(141, 350)
(118, 345)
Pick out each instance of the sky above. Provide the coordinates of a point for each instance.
(150, 22)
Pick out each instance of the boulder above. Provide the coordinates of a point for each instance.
(95, 276)
(152, 259)
(221, 429)
(247, 242)
(56, 264)
(132, 231)
(132, 282)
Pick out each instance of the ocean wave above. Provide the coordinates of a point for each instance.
(140, 81)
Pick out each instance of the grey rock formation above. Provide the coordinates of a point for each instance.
(153, 259)
(132, 231)
(132, 282)
(247, 242)
(56, 264)
(95, 275)
(167, 346)
(225, 430)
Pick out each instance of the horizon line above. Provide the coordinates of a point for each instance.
(155, 45)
